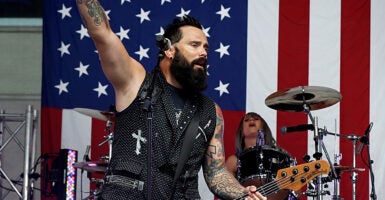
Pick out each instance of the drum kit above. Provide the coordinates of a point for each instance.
(97, 167)
(263, 169)
(297, 99)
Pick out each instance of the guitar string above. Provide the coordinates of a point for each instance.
(273, 186)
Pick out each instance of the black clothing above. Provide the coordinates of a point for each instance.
(126, 177)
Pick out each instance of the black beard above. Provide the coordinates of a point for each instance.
(191, 79)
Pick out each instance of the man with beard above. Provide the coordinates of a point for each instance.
(153, 116)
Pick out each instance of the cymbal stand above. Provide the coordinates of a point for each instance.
(109, 138)
(317, 155)
(354, 176)
(336, 195)
(334, 175)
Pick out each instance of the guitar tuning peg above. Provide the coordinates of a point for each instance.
(317, 155)
(306, 158)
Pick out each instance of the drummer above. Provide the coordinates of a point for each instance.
(247, 137)
(251, 126)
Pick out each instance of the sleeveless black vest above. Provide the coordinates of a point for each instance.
(130, 144)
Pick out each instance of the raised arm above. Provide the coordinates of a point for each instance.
(124, 72)
(219, 180)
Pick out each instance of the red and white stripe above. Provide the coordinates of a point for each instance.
(336, 44)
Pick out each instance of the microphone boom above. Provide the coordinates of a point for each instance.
(301, 127)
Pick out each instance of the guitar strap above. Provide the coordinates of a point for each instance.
(186, 149)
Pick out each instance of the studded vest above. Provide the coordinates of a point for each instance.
(130, 145)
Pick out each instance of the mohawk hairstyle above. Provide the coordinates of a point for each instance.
(172, 30)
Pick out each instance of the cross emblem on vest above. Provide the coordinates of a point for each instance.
(139, 139)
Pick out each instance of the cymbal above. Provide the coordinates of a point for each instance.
(294, 99)
(348, 168)
(91, 166)
(102, 115)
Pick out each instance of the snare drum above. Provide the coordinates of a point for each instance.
(257, 166)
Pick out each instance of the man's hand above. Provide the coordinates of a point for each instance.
(253, 194)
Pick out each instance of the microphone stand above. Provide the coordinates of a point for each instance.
(260, 143)
(373, 192)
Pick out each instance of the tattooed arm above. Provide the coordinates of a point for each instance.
(219, 180)
(124, 72)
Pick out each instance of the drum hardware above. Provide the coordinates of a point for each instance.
(97, 167)
(317, 190)
(109, 138)
(250, 171)
(105, 157)
(96, 192)
(102, 115)
(336, 194)
(307, 98)
(293, 99)
(353, 169)
(91, 166)
(260, 143)
(108, 116)
(93, 196)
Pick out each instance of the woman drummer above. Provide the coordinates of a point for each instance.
(254, 137)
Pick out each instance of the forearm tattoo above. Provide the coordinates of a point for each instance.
(219, 180)
(95, 11)
(223, 183)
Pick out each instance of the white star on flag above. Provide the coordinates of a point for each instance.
(161, 31)
(108, 14)
(101, 89)
(165, 1)
(83, 32)
(123, 33)
(142, 52)
(65, 11)
(223, 50)
(222, 88)
(122, 1)
(143, 15)
(62, 87)
(64, 49)
(206, 31)
(82, 69)
(224, 12)
(183, 13)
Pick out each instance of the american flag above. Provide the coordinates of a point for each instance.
(257, 47)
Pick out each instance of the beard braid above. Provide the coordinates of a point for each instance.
(194, 80)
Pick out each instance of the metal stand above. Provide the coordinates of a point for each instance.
(354, 176)
(109, 139)
(318, 191)
(29, 120)
(336, 194)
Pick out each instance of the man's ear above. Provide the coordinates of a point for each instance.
(170, 52)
